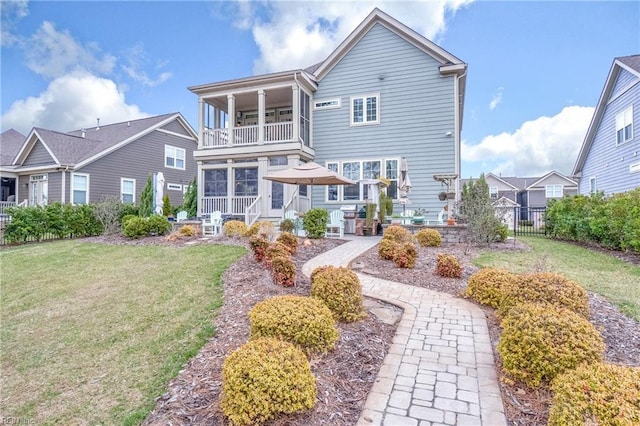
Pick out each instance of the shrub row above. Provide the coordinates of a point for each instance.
(612, 221)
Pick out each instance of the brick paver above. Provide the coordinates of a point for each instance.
(440, 367)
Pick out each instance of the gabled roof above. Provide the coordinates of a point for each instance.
(449, 63)
(81, 147)
(501, 180)
(551, 173)
(10, 143)
(628, 63)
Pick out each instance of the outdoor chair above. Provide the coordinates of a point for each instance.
(181, 215)
(440, 220)
(335, 227)
(407, 215)
(212, 223)
(292, 215)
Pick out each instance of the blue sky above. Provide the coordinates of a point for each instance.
(535, 69)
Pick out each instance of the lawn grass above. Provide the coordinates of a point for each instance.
(92, 333)
(611, 278)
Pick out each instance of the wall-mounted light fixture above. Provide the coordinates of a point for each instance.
(448, 134)
(382, 77)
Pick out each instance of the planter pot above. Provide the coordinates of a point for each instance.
(442, 196)
(451, 221)
(451, 195)
(367, 232)
(418, 220)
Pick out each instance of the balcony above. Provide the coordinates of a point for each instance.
(247, 135)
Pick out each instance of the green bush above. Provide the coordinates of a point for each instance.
(158, 225)
(545, 287)
(429, 238)
(315, 222)
(447, 265)
(485, 286)
(540, 341)
(341, 290)
(303, 321)
(265, 378)
(234, 228)
(187, 231)
(598, 394)
(287, 225)
(405, 256)
(135, 227)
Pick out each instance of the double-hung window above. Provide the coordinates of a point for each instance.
(493, 192)
(174, 157)
(624, 126)
(128, 190)
(79, 188)
(362, 171)
(553, 191)
(365, 110)
(593, 185)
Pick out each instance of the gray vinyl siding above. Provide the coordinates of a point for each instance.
(54, 187)
(608, 162)
(625, 78)
(416, 110)
(138, 160)
(176, 127)
(38, 156)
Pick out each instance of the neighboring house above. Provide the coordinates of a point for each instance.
(10, 143)
(609, 160)
(85, 165)
(385, 93)
(527, 193)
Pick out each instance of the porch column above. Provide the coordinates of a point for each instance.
(295, 115)
(261, 115)
(231, 104)
(63, 182)
(200, 188)
(201, 106)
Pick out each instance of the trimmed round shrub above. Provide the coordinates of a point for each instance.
(315, 222)
(429, 238)
(283, 271)
(598, 394)
(304, 321)
(485, 286)
(397, 233)
(406, 255)
(261, 227)
(287, 225)
(540, 341)
(258, 244)
(289, 240)
(546, 287)
(135, 227)
(158, 224)
(448, 266)
(276, 249)
(187, 231)
(234, 228)
(341, 290)
(387, 248)
(265, 378)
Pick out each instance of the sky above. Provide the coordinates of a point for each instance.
(535, 69)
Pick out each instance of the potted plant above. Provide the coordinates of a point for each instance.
(442, 196)
(369, 218)
(396, 218)
(418, 216)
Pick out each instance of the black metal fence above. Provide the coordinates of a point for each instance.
(529, 221)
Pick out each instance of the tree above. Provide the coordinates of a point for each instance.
(482, 224)
(191, 199)
(146, 199)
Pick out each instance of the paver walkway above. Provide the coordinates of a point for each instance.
(440, 368)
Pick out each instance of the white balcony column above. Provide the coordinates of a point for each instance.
(261, 115)
(295, 113)
(216, 117)
(231, 105)
(201, 107)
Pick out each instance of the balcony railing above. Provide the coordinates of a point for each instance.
(247, 135)
(233, 205)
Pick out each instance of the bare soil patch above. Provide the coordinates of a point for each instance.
(345, 376)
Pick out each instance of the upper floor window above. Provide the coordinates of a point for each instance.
(128, 190)
(365, 110)
(624, 126)
(593, 186)
(174, 157)
(327, 103)
(493, 192)
(553, 191)
(79, 188)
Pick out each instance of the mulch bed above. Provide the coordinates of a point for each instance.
(345, 375)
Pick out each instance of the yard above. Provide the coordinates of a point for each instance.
(92, 333)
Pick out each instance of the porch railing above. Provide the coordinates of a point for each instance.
(5, 204)
(253, 213)
(247, 135)
(235, 205)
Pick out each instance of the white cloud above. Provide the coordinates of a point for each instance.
(497, 99)
(295, 34)
(53, 53)
(71, 102)
(137, 59)
(10, 13)
(537, 147)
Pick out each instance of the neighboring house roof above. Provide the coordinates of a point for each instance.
(502, 180)
(10, 143)
(628, 63)
(525, 183)
(81, 147)
(548, 175)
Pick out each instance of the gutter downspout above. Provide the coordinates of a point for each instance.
(458, 127)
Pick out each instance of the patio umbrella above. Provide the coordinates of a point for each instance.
(158, 187)
(405, 184)
(309, 174)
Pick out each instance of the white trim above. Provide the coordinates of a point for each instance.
(169, 132)
(174, 187)
(122, 193)
(333, 103)
(593, 185)
(174, 156)
(364, 99)
(634, 168)
(86, 191)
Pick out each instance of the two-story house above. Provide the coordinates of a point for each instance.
(609, 159)
(84, 165)
(385, 93)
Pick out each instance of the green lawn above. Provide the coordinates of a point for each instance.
(614, 279)
(92, 333)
